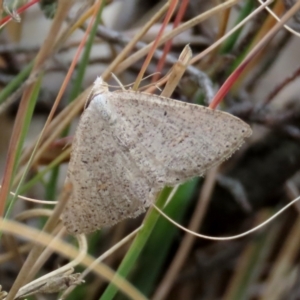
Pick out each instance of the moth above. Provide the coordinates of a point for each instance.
(129, 145)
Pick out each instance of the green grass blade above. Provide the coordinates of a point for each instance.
(139, 243)
(154, 255)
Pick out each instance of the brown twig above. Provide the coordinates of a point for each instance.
(280, 87)
(155, 43)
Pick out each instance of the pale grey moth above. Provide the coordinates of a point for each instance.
(129, 145)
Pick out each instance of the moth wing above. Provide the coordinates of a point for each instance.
(172, 141)
(128, 145)
(107, 188)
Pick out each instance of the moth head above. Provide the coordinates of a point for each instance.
(99, 87)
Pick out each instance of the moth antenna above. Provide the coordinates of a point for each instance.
(158, 87)
(155, 73)
(123, 86)
(118, 81)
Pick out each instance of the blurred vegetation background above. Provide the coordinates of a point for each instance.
(40, 41)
